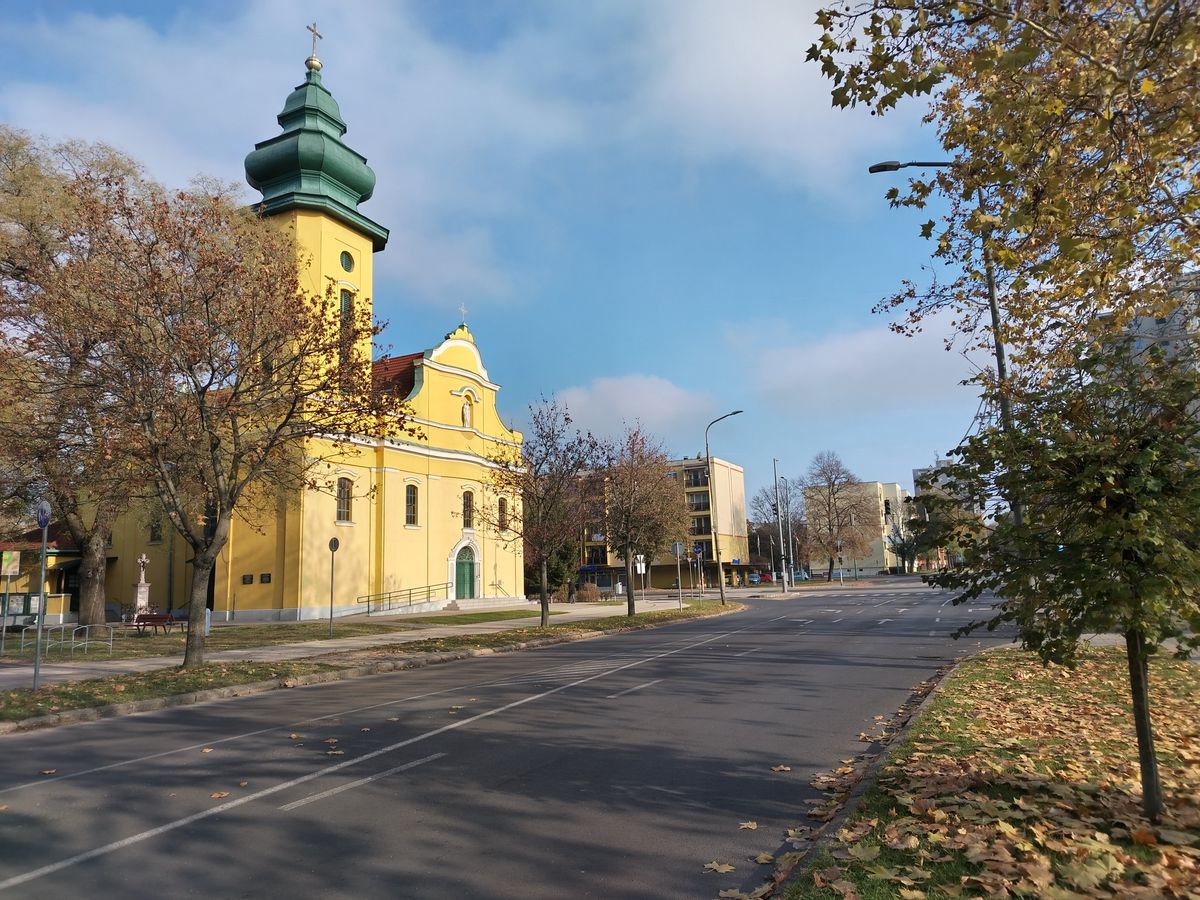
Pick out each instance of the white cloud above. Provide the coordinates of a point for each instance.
(607, 405)
(863, 370)
(729, 81)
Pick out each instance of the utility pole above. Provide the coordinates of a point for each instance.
(779, 523)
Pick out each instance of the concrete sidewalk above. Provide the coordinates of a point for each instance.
(57, 669)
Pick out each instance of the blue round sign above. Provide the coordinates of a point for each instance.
(43, 514)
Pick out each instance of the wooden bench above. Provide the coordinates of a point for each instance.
(165, 621)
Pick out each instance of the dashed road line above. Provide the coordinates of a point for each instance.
(353, 784)
(632, 689)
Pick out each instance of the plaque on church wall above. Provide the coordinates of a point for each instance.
(264, 578)
(247, 579)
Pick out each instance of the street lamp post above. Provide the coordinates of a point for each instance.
(989, 274)
(779, 523)
(713, 506)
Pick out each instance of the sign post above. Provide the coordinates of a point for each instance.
(677, 550)
(639, 563)
(334, 543)
(43, 520)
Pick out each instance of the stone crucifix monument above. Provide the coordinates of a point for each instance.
(141, 589)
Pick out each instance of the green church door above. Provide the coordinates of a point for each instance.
(464, 574)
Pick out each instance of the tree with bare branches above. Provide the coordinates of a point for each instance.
(238, 385)
(546, 490)
(838, 509)
(63, 434)
(645, 509)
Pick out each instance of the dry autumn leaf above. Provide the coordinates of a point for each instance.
(781, 768)
(217, 795)
(734, 894)
(749, 826)
(335, 752)
(49, 771)
(294, 737)
(207, 750)
(764, 858)
(719, 867)
(243, 783)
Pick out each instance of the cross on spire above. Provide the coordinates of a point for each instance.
(462, 308)
(316, 35)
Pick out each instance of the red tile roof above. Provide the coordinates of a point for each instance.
(396, 374)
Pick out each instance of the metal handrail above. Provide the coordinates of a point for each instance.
(406, 597)
(77, 643)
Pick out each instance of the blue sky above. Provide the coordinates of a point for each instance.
(648, 207)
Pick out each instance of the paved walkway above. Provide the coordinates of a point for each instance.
(56, 669)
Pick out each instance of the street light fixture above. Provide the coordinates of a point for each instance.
(712, 507)
(989, 273)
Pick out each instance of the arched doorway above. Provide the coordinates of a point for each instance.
(464, 574)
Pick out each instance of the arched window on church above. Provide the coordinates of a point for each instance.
(410, 504)
(344, 500)
(468, 509)
(502, 514)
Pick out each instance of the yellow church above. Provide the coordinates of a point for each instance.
(404, 511)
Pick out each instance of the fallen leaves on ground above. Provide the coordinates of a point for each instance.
(748, 825)
(1022, 781)
(781, 768)
(49, 771)
(719, 867)
(207, 750)
(217, 795)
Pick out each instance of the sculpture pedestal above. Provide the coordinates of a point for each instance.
(141, 597)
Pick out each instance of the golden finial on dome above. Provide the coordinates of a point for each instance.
(313, 63)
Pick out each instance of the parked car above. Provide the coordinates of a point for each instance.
(753, 578)
(766, 578)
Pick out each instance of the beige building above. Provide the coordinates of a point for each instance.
(880, 508)
(720, 495)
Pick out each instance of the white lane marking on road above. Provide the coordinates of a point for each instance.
(353, 784)
(937, 618)
(906, 609)
(106, 849)
(831, 610)
(947, 600)
(802, 621)
(751, 650)
(835, 621)
(632, 689)
(932, 633)
(881, 621)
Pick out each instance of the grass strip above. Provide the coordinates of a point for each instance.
(581, 628)
(1021, 780)
(55, 698)
(128, 644)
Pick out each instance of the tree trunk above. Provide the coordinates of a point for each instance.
(92, 569)
(545, 597)
(1135, 648)
(829, 577)
(193, 657)
(631, 601)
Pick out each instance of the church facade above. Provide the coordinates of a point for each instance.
(405, 514)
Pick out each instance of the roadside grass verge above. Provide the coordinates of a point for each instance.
(55, 698)
(61, 697)
(128, 644)
(1021, 780)
(580, 628)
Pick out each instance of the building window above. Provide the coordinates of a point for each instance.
(347, 261)
(696, 477)
(343, 500)
(468, 509)
(701, 525)
(596, 556)
(156, 529)
(503, 514)
(410, 504)
(698, 502)
(346, 340)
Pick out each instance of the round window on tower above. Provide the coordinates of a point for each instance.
(347, 261)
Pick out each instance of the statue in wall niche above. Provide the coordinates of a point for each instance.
(466, 413)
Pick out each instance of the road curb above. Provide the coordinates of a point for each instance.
(827, 836)
(415, 661)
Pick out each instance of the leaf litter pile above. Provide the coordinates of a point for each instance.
(1021, 780)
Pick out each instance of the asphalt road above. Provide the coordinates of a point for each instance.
(609, 768)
